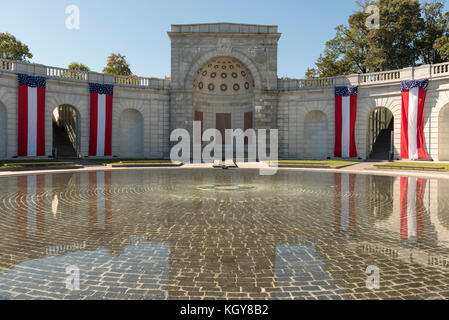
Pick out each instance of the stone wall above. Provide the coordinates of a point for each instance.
(294, 106)
(301, 109)
(152, 104)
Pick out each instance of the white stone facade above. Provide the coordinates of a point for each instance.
(145, 110)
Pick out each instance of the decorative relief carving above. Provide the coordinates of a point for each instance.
(224, 46)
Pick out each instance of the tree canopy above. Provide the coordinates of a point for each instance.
(78, 66)
(117, 65)
(409, 34)
(13, 49)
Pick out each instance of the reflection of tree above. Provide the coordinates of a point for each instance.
(380, 197)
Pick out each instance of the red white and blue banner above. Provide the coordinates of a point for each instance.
(100, 119)
(344, 205)
(345, 119)
(100, 209)
(412, 196)
(412, 126)
(31, 214)
(31, 116)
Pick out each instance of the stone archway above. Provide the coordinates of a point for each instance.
(131, 134)
(66, 132)
(443, 134)
(223, 95)
(380, 133)
(3, 131)
(315, 135)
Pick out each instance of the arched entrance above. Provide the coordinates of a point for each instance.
(131, 134)
(3, 131)
(380, 134)
(223, 95)
(66, 132)
(315, 135)
(443, 134)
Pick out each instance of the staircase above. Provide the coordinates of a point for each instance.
(381, 149)
(62, 146)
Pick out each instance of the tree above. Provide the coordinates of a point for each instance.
(394, 45)
(117, 65)
(78, 67)
(13, 49)
(408, 35)
(436, 25)
(442, 46)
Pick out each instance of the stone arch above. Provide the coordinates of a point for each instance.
(380, 123)
(202, 58)
(131, 134)
(66, 131)
(81, 102)
(443, 133)
(3, 131)
(365, 108)
(316, 133)
(223, 96)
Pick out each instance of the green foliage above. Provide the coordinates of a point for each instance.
(442, 46)
(410, 34)
(117, 65)
(13, 49)
(78, 67)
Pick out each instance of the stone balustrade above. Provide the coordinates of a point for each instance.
(378, 77)
(6, 65)
(82, 76)
(440, 69)
(420, 72)
(133, 81)
(425, 71)
(53, 72)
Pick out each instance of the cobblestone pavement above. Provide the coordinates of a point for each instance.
(223, 234)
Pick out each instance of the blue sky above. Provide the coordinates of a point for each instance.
(138, 29)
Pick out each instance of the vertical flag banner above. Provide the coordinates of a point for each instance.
(31, 116)
(31, 218)
(412, 126)
(100, 119)
(344, 205)
(412, 195)
(100, 209)
(345, 119)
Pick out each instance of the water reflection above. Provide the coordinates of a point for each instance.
(223, 234)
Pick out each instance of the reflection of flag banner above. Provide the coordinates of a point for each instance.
(412, 119)
(100, 119)
(412, 193)
(31, 116)
(100, 199)
(345, 118)
(344, 206)
(31, 212)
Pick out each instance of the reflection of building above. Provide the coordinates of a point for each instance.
(225, 75)
(228, 234)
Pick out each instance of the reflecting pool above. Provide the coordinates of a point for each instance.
(228, 234)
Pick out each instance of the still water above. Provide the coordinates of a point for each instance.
(200, 234)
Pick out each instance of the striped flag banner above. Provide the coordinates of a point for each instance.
(100, 200)
(100, 119)
(345, 119)
(344, 205)
(31, 218)
(31, 116)
(412, 119)
(412, 195)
